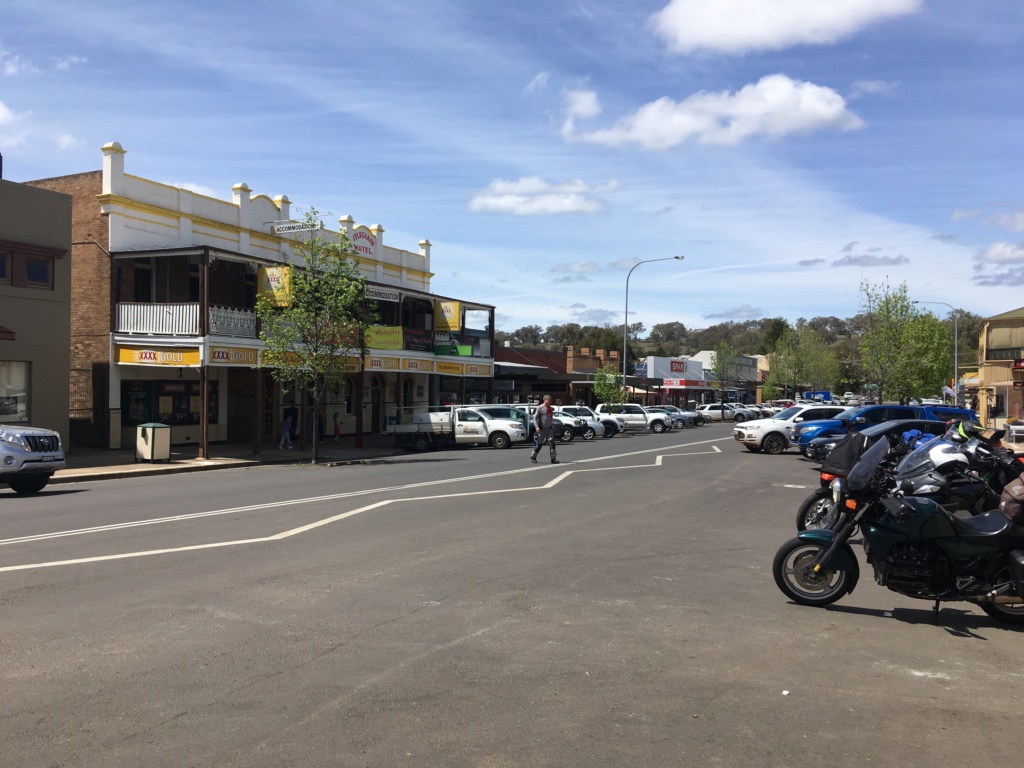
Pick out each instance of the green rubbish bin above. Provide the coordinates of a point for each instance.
(153, 442)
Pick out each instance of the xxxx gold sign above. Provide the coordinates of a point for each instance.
(423, 366)
(177, 356)
(477, 370)
(233, 356)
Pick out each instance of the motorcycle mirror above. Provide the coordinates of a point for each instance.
(907, 487)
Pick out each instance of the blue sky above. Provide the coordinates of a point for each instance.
(789, 149)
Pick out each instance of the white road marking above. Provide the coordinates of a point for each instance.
(325, 521)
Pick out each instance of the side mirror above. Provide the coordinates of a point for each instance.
(798, 418)
(907, 487)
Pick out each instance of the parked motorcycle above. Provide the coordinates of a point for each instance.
(964, 471)
(915, 547)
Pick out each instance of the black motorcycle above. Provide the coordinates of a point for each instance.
(963, 473)
(915, 547)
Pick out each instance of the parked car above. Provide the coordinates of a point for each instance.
(563, 431)
(859, 418)
(724, 412)
(773, 435)
(28, 457)
(612, 423)
(820, 447)
(675, 420)
(581, 426)
(636, 418)
(681, 417)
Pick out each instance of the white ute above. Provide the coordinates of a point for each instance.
(450, 426)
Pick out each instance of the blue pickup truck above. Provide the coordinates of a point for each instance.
(856, 419)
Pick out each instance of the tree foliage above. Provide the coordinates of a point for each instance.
(313, 341)
(887, 348)
(724, 366)
(608, 384)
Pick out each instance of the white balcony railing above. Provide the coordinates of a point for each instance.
(183, 320)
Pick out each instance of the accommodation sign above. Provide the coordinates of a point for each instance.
(382, 294)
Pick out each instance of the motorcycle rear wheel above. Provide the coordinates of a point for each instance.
(1007, 614)
(794, 575)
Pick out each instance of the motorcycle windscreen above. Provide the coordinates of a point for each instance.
(929, 456)
(861, 474)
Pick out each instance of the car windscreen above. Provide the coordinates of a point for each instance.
(849, 414)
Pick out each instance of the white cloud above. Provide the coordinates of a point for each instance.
(872, 87)
(538, 83)
(66, 141)
(871, 261)
(741, 26)
(533, 196)
(15, 65)
(1013, 221)
(6, 114)
(65, 63)
(773, 107)
(1002, 253)
(577, 267)
(742, 312)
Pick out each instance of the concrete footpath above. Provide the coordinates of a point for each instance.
(98, 464)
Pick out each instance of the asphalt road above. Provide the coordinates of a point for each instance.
(466, 608)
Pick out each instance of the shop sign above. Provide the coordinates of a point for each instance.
(453, 368)
(448, 315)
(382, 294)
(384, 364)
(233, 356)
(453, 344)
(677, 366)
(477, 370)
(275, 283)
(684, 383)
(177, 356)
(416, 340)
(422, 366)
(384, 337)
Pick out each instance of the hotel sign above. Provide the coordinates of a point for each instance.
(421, 366)
(234, 356)
(382, 294)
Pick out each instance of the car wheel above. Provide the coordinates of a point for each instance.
(567, 435)
(610, 429)
(500, 440)
(739, 418)
(699, 421)
(658, 427)
(589, 433)
(23, 486)
(774, 443)
(420, 443)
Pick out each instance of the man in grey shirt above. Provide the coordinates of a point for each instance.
(543, 423)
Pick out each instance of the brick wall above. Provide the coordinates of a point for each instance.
(91, 300)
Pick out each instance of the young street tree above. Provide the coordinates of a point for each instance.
(608, 384)
(317, 334)
(724, 366)
(889, 354)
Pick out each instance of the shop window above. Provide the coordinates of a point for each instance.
(5, 267)
(15, 377)
(143, 281)
(39, 272)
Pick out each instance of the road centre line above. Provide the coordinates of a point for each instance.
(309, 526)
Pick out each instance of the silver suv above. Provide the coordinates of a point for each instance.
(636, 417)
(28, 457)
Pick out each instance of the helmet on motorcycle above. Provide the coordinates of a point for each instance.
(962, 431)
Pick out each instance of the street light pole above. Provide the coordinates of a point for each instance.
(625, 322)
(956, 349)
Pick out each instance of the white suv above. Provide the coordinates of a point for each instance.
(773, 435)
(636, 417)
(724, 412)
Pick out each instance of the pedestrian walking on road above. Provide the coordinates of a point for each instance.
(286, 433)
(543, 424)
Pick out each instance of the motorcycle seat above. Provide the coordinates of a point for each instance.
(991, 529)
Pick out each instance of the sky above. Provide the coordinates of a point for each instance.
(789, 150)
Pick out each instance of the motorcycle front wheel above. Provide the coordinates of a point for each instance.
(793, 569)
(816, 511)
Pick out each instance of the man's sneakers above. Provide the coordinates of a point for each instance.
(555, 461)
(533, 459)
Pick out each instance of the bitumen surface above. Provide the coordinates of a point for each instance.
(86, 464)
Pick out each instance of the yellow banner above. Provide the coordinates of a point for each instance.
(443, 367)
(477, 370)
(447, 315)
(383, 364)
(421, 366)
(234, 356)
(276, 284)
(176, 356)
(384, 337)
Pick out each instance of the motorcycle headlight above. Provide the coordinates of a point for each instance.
(837, 490)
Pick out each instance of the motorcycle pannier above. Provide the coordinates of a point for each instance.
(1011, 502)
